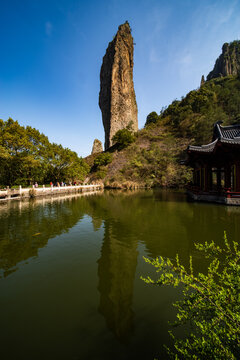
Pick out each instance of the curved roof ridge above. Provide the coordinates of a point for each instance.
(229, 134)
(229, 126)
(217, 133)
(235, 140)
(207, 147)
(211, 143)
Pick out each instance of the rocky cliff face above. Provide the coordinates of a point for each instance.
(228, 62)
(97, 147)
(117, 99)
(202, 81)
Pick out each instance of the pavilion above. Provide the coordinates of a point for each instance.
(216, 167)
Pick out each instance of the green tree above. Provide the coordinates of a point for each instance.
(27, 156)
(123, 138)
(210, 304)
(103, 159)
(193, 117)
(153, 117)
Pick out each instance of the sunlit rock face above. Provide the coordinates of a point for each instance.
(117, 98)
(228, 63)
(97, 147)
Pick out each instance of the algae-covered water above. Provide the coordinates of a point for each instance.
(70, 271)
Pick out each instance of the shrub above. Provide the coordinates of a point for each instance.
(153, 117)
(123, 138)
(103, 159)
(211, 303)
(100, 174)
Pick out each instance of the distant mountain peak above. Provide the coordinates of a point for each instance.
(228, 63)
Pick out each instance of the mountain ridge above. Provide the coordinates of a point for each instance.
(154, 159)
(228, 63)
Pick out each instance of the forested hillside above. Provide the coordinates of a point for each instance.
(149, 157)
(193, 117)
(27, 156)
(154, 158)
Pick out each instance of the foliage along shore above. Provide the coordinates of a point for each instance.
(27, 156)
(150, 157)
(209, 304)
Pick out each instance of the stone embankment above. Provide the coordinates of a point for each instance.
(10, 194)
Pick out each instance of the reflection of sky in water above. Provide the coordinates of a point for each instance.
(71, 270)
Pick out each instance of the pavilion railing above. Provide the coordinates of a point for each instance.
(225, 192)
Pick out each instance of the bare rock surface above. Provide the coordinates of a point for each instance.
(117, 99)
(228, 63)
(97, 147)
(202, 81)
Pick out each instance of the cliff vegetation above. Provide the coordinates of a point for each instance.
(154, 158)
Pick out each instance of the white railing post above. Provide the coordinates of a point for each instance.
(8, 193)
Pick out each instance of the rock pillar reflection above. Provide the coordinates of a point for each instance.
(116, 272)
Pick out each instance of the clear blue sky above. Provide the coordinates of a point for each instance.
(51, 54)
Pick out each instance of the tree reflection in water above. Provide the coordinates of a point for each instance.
(163, 223)
(26, 226)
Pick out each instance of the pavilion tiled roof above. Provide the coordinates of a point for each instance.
(223, 134)
(204, 148)
(227, 132)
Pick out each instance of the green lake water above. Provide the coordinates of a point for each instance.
(70, 271)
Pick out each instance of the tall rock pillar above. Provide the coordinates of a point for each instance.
(117, 99)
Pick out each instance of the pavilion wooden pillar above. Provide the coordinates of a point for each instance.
(202, 178)
(237, 176)
(218, 178)
(207, 178)
(227, 171)
(194, 177)
(210, 178)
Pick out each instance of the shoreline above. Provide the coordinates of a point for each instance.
(21, 193)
